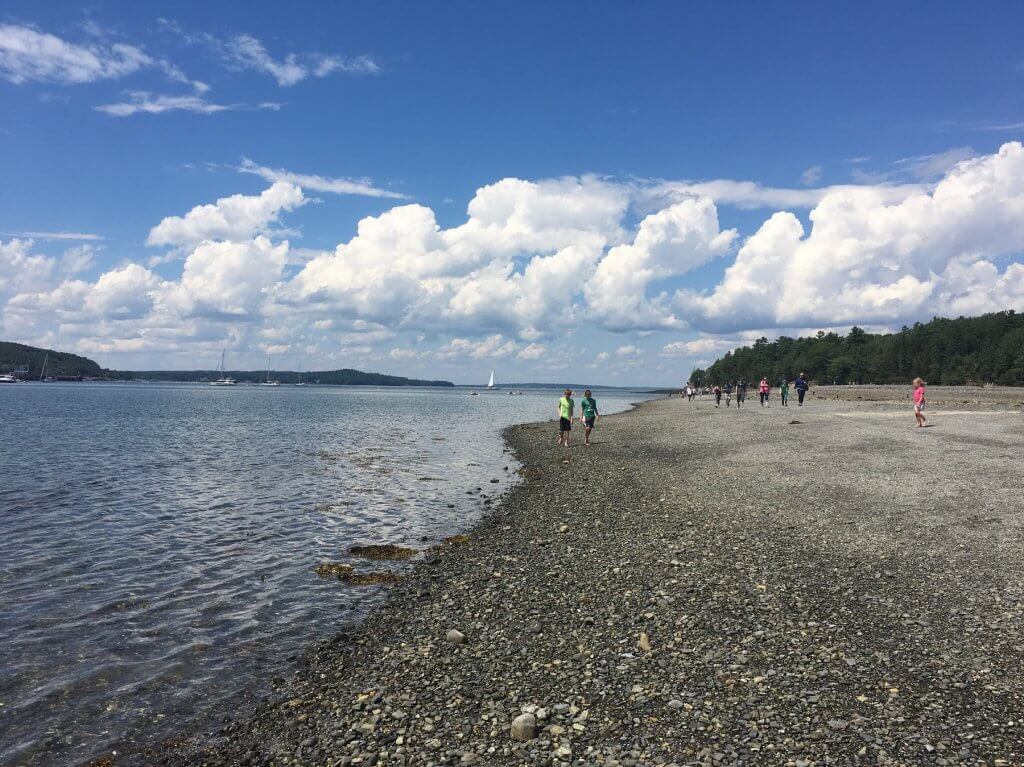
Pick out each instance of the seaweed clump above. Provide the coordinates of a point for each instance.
(383, 551)
(332, 570)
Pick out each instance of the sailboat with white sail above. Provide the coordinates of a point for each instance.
(270, 381)
(490, 383)
(225, 379)
(42, 374)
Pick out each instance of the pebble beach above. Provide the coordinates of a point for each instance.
(800, 586)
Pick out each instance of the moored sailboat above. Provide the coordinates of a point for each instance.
(225, 379)
(270, 381)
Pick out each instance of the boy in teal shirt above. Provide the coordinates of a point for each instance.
(588, 414)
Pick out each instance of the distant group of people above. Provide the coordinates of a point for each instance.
(589, 413)
(566, 412)
(764, 390)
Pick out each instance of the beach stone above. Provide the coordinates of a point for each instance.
(455, 636)
(524, 727)
(644, 642)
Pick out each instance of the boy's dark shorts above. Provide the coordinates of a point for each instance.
(589, 422)
(564, 424)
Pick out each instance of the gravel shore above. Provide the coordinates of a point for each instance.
(781, 586)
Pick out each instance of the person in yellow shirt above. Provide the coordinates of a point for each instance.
(566, 407)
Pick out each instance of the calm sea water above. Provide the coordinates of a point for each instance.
(157, 541)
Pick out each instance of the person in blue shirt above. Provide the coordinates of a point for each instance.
(801, 387)
(589, 415)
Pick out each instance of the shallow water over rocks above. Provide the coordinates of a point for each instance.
(160, 542)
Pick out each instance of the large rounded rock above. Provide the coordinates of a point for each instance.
(524, 727)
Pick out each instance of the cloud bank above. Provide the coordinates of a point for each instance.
(536, 261)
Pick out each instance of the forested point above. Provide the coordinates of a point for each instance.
(949, 352)
(29, 361)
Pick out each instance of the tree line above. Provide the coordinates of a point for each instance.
(951, 352)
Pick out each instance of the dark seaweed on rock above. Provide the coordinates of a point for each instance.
(370, 579)
(332, 569)
(383, 551)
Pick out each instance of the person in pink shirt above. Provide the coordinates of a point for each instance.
(919, 403)
(763, 389)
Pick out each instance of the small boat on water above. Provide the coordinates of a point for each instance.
(42, 373)
(7, 378)
(269, 381)
(225, 379)
(490, 383)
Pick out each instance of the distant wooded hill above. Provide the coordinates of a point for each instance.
(967, 350)
(19, 356)
(27, 362)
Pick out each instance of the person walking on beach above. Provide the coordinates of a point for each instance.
(919, 403)
(588, 415)
(784, 392)
(728, 394)
(801, 387)
(763, 389)
(741, 393)
(718, 395)
(566, 407)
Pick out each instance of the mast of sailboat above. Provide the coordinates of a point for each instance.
(268, 368)
(42, 374)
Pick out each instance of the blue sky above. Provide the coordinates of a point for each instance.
(593, 140)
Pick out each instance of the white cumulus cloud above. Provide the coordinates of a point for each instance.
(534, 262)
(668, 243)
(867, 261)
(238, 217)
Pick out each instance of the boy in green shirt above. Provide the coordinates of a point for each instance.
(588, 415)
(785, 393)
(566, 407)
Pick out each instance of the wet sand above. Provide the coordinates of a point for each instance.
(781, 586)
